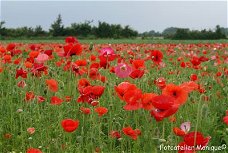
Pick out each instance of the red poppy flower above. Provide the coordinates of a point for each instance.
(131, 133)
(7, 58)
(48, 52)
(147, 101)
(156, 56)
(218, 74)
(85, 110)
(71, 39)
(98, 90)
(33, 54)
(29, 96)
(177, 131)
(193, 77)
(17, 61)
(82, 83)
(28, 64)
(164, 107)
(137, 73)
(94, 74)
(21, 73)
(183, 65)
(133, 99)
(160, 83)
(70, 125)
(225, 119)
(94, 103)
(81, 62)
(72, 49)
(33, 150)
(56, 100)
(196, 138)
(93, 57)
(195, 61)
(101, 111)
(177, 92)
(1, 69)
(189, 86)
(162, 102)
(21, 84)
(10, 46)
(138, 64)
(103, 62)
(38, 69)
(90, 93)
(203, 59)
(40, 99)
(115, 134)
(52, 85)
(67, 98)
(123, 87)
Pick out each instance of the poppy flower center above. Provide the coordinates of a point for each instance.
(174, 93)
(123, 68)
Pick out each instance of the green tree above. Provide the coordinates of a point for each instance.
(38, 31)
(169, 32)
(116, 30)
(182, 34)
(219, 34)
(57, 28)
(128, 32)
(3, 31)
(81, 29)
(103, 30)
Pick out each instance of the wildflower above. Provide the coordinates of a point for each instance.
(178, 93)
(52, 85)
(123, 70)
(131, 133)
(31, 130)
(56, 100)
(101, 111)
(69, 125)
(41, 58)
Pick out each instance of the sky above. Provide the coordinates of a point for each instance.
(140, 15)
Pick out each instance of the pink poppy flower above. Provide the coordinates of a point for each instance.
(31, 130)
(123, 70)
(106, 51)
(186, 126)
(41, 58)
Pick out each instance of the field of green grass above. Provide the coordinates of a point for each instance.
(116, 41)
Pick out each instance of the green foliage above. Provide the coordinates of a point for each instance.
(81, 30)
(195, 34)
(57, 28)
(169, 32)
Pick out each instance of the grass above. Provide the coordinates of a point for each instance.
(117, 41)
(93, 132)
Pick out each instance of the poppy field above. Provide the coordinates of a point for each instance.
(76, 97)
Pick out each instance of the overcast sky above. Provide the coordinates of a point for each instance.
(142, 16)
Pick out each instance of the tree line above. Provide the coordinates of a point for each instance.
(187, 34)
(81, 30)
(106, 30)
